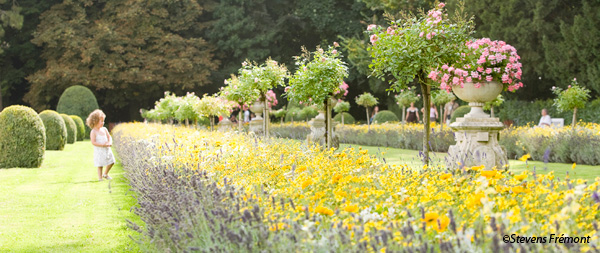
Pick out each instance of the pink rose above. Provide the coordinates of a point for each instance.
(371, 27)
(334, 51)
(374, 38)
(421, 34)
(489, 78)
(335, 44)
(469, 79)
(441, 5)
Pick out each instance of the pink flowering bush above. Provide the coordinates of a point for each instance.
(485, 61)
(271, 98)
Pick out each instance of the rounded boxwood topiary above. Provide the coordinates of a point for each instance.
(385, 116)
(459, 112)
(71, 128)
(78, 100)
(80, 127)
(22, 138)
(56, 130)
(348, 119)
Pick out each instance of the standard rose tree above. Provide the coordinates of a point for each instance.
(572, 98)
(367, 100)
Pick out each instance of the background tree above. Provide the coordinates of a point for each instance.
(9, 18)
(405, 98)
(440, 98)
(128, 51)
(367, 100)
(571, 98)
(498, 101)
(341, 108)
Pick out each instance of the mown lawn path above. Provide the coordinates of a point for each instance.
(61, 207)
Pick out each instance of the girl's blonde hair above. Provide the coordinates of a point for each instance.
(94, 117)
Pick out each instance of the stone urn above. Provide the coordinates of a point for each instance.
(477, 133)
(225, 124)
(317, 128)
(256, 124)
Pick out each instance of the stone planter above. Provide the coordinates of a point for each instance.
(477, 133)
(478, 96)
(257, 123)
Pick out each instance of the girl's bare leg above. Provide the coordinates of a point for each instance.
(108, 167)
(99, 173)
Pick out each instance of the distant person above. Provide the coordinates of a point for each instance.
(246, 115)
(433, 114)
(449, 108)
(412, 114)
(545, 120)
(102, 141)
(375, 111)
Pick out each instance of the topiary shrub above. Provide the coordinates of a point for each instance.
(348, 119)
(459, 112)
(71, 128)
(56, 130)
(385, 116)
(78, 100)
(22, 138)
(80, 127)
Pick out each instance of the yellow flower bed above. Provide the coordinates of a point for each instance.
(351, 188)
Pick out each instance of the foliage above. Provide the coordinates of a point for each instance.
(385, 116)
(293, 114)
(407, 96)
(459, 112)
(484, 61)
(308, 112)
(262, 77)
(340, 201)
(441, 97)
(212, 106)
(79, 126)
(56, 130)
(348, 118)
(22, 138)
(320, 76)
(341, 106)
(366, 100)
(128, 51)
(239, 92)
(78, 100)
(186, 110)
(574, 96)
(71, 128)
(9, 18)
(166, 107)
(413, 45)
(498, 101)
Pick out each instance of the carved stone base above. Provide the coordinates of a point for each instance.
(317, 132)
(224, 125)
(256, 125)
(477, 143)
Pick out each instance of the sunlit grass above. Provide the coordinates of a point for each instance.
(61, 207)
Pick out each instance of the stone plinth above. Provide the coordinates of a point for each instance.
(225, 124)
(477, 143)
(317, 132)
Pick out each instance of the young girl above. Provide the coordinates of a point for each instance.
(102, 141)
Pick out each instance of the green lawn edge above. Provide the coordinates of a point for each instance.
(61, 206)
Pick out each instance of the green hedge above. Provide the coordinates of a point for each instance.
(385, 116)
(78, 100)
(22, 138)
(56, 130)
(348, 118)
(80, 127)
(71, 128)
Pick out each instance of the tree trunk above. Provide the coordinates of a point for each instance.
(342, 118)
(265, 116)
(212, 123)
(187, 123)
(368, 121)
(240, 118)
(441, 116)
(574, 118)
(328, 131)
(426, 121)
(492, 111)
(403, 114)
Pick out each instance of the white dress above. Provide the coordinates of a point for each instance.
(103, 156)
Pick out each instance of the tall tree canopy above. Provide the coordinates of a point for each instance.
(128, 51)
(9, 18)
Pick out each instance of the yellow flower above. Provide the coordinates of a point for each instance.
(324, 210)
(521, 176)
(525, 157)
(430, 219)
(351, 208)
(306, 183)
(474, 200)
(519, 189)
(573, 167)
(443, 224)
(488, 173)
(335, 178)
(445, 176)
(477, 168)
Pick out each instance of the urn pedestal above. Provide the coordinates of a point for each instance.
(477, 133)
(317, 132)
(257, 123)
(225, 124)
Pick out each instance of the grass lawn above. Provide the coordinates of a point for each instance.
(411, 158)
(61, 207)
